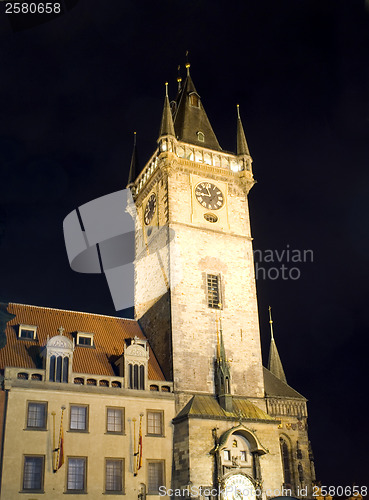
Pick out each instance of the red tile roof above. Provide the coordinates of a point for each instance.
(109, 335)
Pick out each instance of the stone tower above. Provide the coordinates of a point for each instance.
(193, 195)
(195, 299)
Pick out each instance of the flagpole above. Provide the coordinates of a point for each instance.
(139, 448)
(134, 446)
(60, 449)
(54, 450)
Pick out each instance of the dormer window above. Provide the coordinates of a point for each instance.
(85, 339)
(200, 136)
(194, 100)
(27, 332)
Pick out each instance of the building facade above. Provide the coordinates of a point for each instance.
(85, 408)
(177, 402)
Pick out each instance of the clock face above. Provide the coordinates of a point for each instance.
(150, 209)
(238, 487)
(209, 195)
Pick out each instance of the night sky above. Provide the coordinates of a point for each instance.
(73, 90)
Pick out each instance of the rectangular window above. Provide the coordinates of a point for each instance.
(33, 473)
(194, 100)
(78, 418)
(27, 332)
(213, 290)
(155, 423)
(85, 339)
(115, 420)
(243, 456)
(226, 455)
(114, 475)
(155, 471)
(76, 479)
(36, 415)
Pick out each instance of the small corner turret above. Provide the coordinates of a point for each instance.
(134, 167)
(243, 151)
(222, 374)
(275, 364)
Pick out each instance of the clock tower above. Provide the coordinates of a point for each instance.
(195, 300)
(193, 196)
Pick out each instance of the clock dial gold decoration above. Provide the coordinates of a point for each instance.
(150, 209)
(209, 195)
(238, 487)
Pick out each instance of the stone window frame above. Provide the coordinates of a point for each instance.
(42, 472)
(161, 481)
(122, 411)
(43, 427)
(155, 434)
(200, 136)
(76, 405)
(112, 491)
(287, 451)
(194, 100)
(211, 304)
(75, 490)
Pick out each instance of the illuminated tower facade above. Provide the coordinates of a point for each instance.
(195, 300)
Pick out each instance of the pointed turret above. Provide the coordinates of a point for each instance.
(275, 363)
(191, 123)
(223, 374)
(134, 168)
(242, 147)
(166, 126)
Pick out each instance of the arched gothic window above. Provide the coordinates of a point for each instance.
(200, 136)
(59, 369)
(133, 364)
(59, 354)
(286, 462)
(301, 472)
(136, 374)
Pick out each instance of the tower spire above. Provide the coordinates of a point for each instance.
(191, 123)
(275, 363)
(134, 168)
(166, 126)
(242, 147)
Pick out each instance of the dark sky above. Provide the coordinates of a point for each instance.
(74, 89)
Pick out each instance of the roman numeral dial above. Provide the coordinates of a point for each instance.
(209, 195)
(150, 209)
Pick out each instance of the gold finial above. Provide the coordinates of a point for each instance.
(238, 111)
(179, 78)
(271, 322)
(166, 89)
(188, 65)
(61, 330)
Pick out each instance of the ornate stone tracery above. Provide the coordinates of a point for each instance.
(58, 354)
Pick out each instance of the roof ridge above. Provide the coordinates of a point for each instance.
(70, 311)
